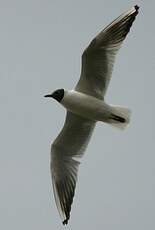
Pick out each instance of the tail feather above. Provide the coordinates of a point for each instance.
(120, 117)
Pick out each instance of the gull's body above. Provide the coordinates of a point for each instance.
(90, 107)
(85, 106)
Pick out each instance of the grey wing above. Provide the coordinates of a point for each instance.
(99, 57)
(68, 146)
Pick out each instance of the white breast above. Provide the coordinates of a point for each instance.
(86, 106)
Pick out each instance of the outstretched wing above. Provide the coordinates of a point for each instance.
(98, 59)
(68, 146)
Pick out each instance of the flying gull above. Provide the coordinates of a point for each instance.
(85, 105)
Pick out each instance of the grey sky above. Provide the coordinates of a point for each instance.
(41, 43)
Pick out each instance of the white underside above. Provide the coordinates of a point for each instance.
(94, 109)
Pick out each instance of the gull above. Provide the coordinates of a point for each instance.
(85, 105)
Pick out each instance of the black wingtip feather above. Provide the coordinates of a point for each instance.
(65, 222)
(136, 8)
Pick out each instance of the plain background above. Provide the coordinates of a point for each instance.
(41, 42)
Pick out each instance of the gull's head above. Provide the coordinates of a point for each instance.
(57, 94)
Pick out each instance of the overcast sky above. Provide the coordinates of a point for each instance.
(41, 42)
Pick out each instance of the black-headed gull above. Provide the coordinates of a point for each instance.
(85, 106)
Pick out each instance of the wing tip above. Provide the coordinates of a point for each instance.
(65, 222)
(136, 8)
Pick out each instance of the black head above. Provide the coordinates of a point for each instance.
(57, 95)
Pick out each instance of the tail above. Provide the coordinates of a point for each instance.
(120, 117)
